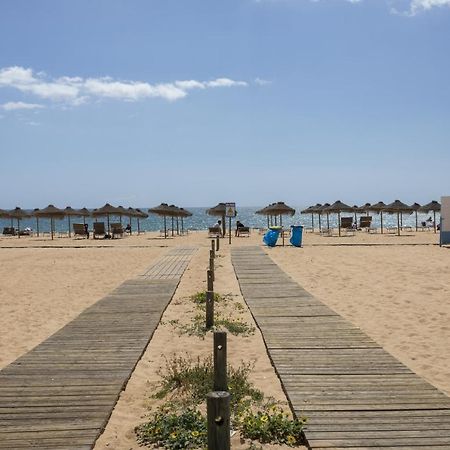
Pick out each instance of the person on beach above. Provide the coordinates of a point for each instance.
(86, 230)
(128, 229)
(238, 225)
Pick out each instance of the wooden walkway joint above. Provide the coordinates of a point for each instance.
(354, 394)
(60, 394)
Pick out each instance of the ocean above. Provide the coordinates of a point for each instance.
(201, 221)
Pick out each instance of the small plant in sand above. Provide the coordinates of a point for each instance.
(197, 327)
(224, 319)
(180, 424)
(174, 429)
(271, 424)
(199, 298)
(188, 381)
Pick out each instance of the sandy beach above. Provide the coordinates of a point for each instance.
(395, 289)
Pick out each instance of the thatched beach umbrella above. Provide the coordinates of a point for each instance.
(219, 211)
(139, 215)
(70, 212)
(175, 214)
(165, 211)
(398, 207)
(106, 211)
(183, 213)
(83, 212)
(415, 207)
(338, 207)
(379, 208)
(315, 209)
(35, 210)
(433, 206)
(263, 212)
(18, 214)
(52, 213)
(280, 209)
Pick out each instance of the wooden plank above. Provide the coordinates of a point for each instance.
(354, 394)
(61, 393)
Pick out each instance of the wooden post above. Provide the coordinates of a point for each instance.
(213, 248)
(211, 264)
(218, 412)
(229, 231)
(210, 280)
(217, 243)
(220, 361)
(209, 309)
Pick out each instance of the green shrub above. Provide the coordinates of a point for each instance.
(271, 425)
(190, 380)
(173, 430)
(199, 298)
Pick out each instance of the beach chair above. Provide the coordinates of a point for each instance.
(99, 230)
(346, 222)
(214, 232)
(79, 230)
(116, 230)
(365, 222)
(9, 231)
(243, 232)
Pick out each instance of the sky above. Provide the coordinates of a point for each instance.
(193, 102)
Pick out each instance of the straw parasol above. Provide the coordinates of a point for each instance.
(106, 210)
(18, 214)
(263, 212)
(314, 209)
(279, 209)
(338, 207)
(35, 210)
(433, 206)
(165, 211)
(83, 212)
(139, 215)
(415, 207)
(69, 212)
(219, 211)
(398, 207)
(52, 213)
(379, 208)
(183, 214)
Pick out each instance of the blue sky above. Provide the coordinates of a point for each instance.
(195, 102)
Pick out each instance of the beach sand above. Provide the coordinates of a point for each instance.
(396, 289)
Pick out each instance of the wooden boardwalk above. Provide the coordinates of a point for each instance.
(60, 394)
(354, 394)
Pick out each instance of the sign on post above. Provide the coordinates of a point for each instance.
(230, 211)
(445, 221)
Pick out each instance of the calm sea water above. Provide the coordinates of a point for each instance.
(200, 220)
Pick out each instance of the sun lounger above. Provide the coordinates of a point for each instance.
(214, 232)
(9, 231)
(116, 230)
(99, 229)
(365, 222)
(243, 231)
(346, 222)
(79, 230)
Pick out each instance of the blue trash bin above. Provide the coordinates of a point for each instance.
(296, 235)
(271, 237)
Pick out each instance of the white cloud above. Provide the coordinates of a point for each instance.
(425, 5)
(14, 106)
(76, 90)
(262, 82)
